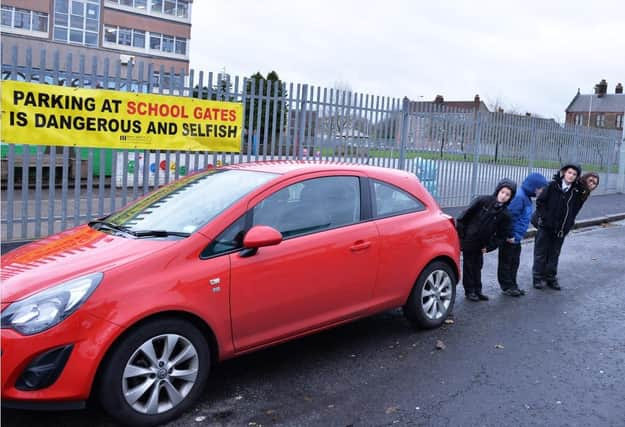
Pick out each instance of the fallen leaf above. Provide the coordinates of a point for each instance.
(308, 398)
(391, 409)
(449, 321)
(270, 411)
(440, 345)
(200, 419)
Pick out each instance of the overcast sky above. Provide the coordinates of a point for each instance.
(527, 56)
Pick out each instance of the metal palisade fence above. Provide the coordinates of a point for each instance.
(457, 153)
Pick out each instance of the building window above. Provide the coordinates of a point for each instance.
(155, 41)
(77, 21)
(579, 119)
(7, 16)
(181, 47)
(165, 80)
(24, 19)
(137, 4)
(110, 34)
(619, 122)
(124, 36)
(177, 8)
(168, 44)
(40, 22)
(138, 39)
(600, 120)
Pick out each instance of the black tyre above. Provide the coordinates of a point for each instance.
(154, 373)
(432, 297)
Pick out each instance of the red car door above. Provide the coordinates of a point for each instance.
(323, 275)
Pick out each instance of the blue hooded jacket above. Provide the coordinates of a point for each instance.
(521, 206)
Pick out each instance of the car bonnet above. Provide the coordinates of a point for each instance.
(39, 265)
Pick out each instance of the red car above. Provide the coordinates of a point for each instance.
(135, 308)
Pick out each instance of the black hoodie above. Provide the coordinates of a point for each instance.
(556, 209)
(486, 223)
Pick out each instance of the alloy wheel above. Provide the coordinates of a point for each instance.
(160, 374)
(437, 294)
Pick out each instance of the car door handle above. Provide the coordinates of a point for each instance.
(360, 245)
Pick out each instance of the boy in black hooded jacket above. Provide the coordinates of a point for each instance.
(556, 209)
(482, 228)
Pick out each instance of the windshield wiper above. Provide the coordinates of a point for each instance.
(157, 233)
(99, 225)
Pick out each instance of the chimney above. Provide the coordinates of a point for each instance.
(619, 88)
(601, 88)
(439, 99)
(476, 99)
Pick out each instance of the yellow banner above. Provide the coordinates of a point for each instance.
(39, 114)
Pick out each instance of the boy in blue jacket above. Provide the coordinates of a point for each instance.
(520, 210)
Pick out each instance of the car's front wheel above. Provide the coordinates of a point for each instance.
(432, 297)
(155, 372)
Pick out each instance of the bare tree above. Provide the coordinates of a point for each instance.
(339, 118)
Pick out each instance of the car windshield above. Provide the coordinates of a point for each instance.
(189, 203)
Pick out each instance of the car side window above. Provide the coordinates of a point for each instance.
(390, 200)
(231, 239)
(312, 205)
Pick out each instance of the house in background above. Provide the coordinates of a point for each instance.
(440, 105)
(123, 31)
(598, 110)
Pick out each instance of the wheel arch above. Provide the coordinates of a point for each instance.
(198, 322)
(450, 262)
(442, 258)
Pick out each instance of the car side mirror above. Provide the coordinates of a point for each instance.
(260, 236)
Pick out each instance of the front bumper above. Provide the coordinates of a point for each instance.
(87, 336)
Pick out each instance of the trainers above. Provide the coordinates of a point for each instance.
(540, 284)
(482, 297)
(554, 285)
(512, 292)
(472, 296)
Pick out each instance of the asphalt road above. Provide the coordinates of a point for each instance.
(549, 358)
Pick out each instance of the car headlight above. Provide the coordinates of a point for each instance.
(47, 308)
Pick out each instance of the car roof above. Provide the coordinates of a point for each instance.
(296, 167)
